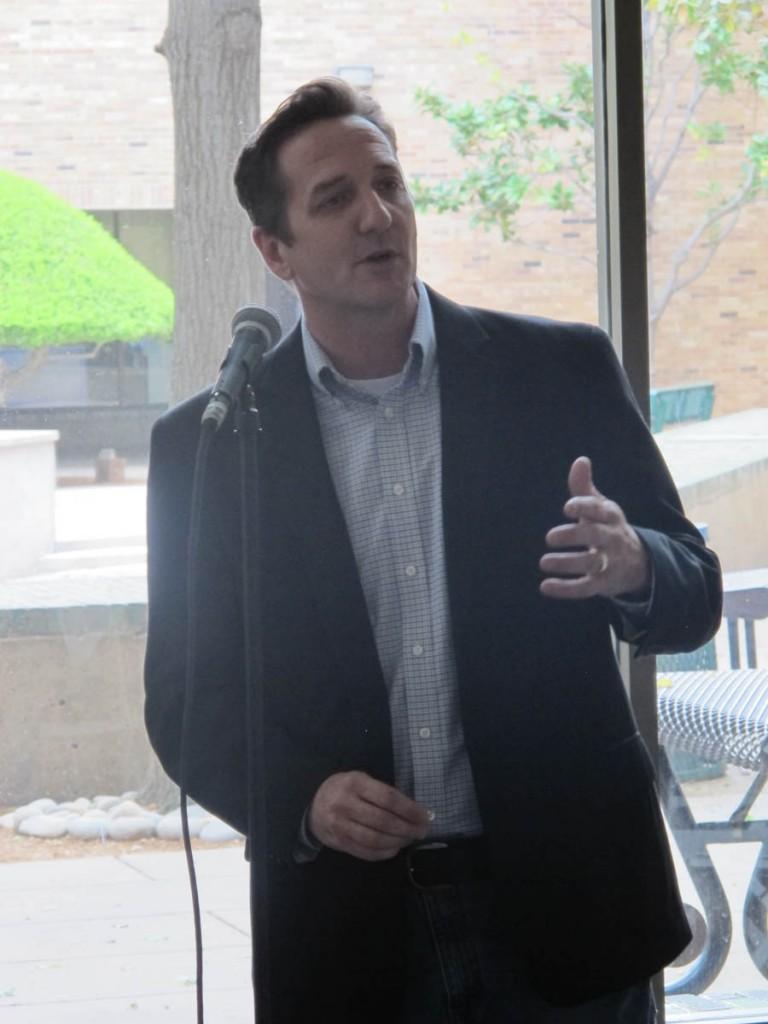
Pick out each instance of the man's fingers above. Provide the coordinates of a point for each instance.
(353, 812)
(606, 555)
(372, 853)
(572, 535)
(389, 799)
(594, 508)
(580, 483)
(577, 563)
(386, 822)
(577, 587)
(374, 839)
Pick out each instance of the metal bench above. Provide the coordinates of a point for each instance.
(681, 404)
(716, 716)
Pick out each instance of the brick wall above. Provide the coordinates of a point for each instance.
(86, 110)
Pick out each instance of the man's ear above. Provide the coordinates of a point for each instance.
(272, 250)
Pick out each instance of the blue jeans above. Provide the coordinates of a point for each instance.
(459, 975)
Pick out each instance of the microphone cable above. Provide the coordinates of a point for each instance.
(193, 544)
(253, 330)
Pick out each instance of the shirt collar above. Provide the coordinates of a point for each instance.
(422, 352)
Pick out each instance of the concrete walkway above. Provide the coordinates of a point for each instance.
(108, 939)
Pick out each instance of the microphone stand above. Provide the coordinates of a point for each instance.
(248, 426)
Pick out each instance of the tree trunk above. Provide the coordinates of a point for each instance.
(158, 789)
(10, 379)
(213, 54)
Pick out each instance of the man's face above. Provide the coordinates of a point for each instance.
(351, 220)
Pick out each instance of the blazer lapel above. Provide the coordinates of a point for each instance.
(296, 472)
(491, 440)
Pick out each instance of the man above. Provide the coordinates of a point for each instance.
(462, 824)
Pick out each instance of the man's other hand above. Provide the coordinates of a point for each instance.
(359, 815)
(611, 559)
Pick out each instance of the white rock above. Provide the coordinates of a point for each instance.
(96, 813)
(216, 831)
(194, 811)
(128, 809)
(104, 802)
(130, 828)
(30, 811)
(169, 826)
(44, 804)
(130, 794)
(81, 804)
(43, 826)
(88, 828)
(6, 820)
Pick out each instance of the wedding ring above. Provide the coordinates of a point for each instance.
(603, 564)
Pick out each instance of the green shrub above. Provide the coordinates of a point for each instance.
(64, 279)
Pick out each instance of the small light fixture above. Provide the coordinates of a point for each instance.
(359, 75)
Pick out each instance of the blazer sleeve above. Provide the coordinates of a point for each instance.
(195, 721)
(686, 601)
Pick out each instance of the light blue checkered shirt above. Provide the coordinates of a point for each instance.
(382, 441)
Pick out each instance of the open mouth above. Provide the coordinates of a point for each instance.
(382, 256)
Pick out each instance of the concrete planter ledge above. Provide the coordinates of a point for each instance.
(720, 467)
(75, 603)
(20, 438)
(71, 653)
(27, 483)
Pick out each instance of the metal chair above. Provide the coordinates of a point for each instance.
(717, 715)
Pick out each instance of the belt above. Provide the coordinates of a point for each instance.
(448, 863)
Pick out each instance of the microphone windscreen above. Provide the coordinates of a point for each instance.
(260, 318)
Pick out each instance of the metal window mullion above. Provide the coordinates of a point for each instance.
(622, 273)
(617, 33)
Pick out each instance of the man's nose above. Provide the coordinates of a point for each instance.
(374, 213)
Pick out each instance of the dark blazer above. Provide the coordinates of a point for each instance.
(586, 891)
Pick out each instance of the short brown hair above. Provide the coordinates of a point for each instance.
(261, 189)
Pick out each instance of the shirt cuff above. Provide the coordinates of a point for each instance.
(634, 613)
(307, 847)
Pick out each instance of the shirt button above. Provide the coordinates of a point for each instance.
(398, 489)
(389, 412)
(431, 815)
(425, 732)
(410, 570)
(418, 650)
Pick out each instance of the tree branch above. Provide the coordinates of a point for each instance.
(732, 208)
(658, 178)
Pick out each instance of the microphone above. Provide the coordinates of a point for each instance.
(254, 330)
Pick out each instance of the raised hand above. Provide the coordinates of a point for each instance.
(610, 559)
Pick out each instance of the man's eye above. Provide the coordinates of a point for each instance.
(390, 185)
(332, 201)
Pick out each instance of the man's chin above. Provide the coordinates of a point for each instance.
(389, 299)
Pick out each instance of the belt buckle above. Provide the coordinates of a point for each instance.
(412, 866)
